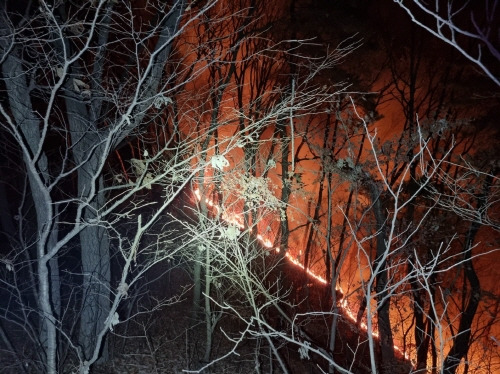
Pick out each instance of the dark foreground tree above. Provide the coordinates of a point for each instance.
(80, 79)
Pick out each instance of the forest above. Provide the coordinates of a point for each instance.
(249, 186)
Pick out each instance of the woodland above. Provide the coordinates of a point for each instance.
(249, 186)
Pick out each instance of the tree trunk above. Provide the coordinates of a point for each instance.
(383, 301)
(208, 310)
(461, 341)
(55, 280)
(96, 272)
(334, 275)
(286, 186)
(88, 151)
(421, 342)
(96, 281)
(37, 170)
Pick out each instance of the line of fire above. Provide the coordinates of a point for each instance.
(249, 186)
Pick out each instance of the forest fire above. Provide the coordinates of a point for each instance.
(236, 220)
(366, 158)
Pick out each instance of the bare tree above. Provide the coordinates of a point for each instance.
(81, 78)
(425, 172)
(461, 26)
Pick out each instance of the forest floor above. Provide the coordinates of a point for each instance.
(170, 340)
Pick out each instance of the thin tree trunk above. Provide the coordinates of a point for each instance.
(208, 310)
(461, 341)
(418, 303)
(333, 280)
(383, 301)
(286, 186)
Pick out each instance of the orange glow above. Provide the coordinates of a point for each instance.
(389, 125)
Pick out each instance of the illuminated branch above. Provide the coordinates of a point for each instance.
(81, 80)
(445, 28)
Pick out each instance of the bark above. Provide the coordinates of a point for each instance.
(208, 310)
(88, 152)
(333, 280)
(461, 342)
(420, 332)
(36, 168)
(96, 282)
(55, 279)
(6, 225)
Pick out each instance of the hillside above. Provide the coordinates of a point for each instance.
(170, 340)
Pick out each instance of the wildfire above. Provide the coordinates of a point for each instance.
(236, 220)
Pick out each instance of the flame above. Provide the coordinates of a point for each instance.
(235, 219)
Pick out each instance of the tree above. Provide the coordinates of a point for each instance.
(462, 26)
(241, 260)
(81, 79)
(475, 197)
(115, 111)
(426, 268)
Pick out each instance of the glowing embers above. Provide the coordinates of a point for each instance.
(266, 242)
(296, 262)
